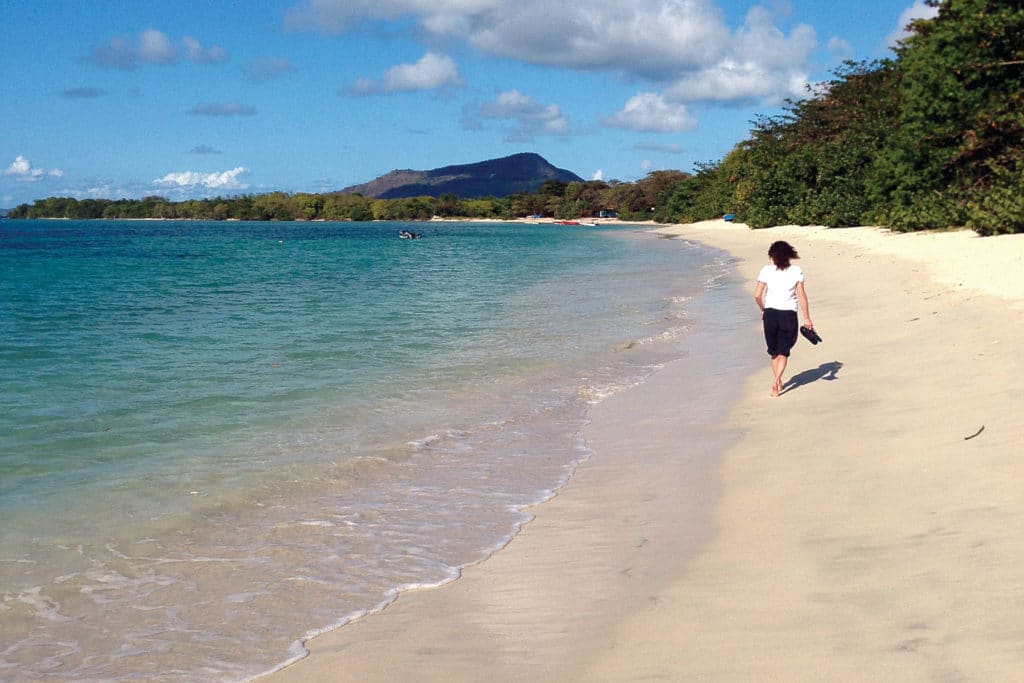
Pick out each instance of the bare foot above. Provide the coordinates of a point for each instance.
(775, 390)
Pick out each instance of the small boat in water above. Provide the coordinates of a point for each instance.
(406, 235)
(588, 225)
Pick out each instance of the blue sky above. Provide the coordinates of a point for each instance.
(197, 99)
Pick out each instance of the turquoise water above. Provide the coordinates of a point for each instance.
(217, 439)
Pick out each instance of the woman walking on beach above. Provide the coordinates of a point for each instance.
(780, 292)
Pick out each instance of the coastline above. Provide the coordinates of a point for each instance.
(862, 527)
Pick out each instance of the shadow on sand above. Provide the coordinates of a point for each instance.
(825, 371)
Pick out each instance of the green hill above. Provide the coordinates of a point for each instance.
(493, 178)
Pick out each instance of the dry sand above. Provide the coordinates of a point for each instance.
(862, 528)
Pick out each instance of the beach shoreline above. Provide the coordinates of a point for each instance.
(864, 524)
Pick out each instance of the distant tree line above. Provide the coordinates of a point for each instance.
(554, 199)
(932, 138)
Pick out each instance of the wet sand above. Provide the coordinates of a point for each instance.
(865, 525)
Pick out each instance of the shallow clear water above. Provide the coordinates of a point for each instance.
(219, 438)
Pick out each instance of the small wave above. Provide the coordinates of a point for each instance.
(669, 334)
(448, 439)
(594, 394)
(44, 606)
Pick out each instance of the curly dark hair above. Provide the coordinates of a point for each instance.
(781, 253)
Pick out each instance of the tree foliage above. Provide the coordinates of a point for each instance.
(933, 138)
(957, 157)
(554, 199)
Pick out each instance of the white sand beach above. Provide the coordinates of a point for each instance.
(866, 525)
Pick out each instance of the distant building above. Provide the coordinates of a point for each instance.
(608, 213)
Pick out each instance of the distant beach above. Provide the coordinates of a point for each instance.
(864, 526)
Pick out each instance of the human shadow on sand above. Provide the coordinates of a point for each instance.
(825, 371)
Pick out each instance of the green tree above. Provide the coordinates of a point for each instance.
(957, 157)
(627, 200)
(359, 208)
(382, 210)
(448, 205)
(306, 207)
(658, 186)
(274, 206)
(523, 204)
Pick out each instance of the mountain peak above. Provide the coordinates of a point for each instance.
(523, 172)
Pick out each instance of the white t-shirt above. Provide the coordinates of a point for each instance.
(780, 292)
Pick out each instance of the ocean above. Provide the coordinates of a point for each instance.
(220, 439)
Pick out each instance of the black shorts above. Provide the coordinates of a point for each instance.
(780, 331)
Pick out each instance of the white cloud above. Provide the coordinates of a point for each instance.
(686, 43)
(599, 34)
(839, 48)
(769, 66)
(649, 112)
(195, 52)
(597, 175)
(431, 72)
(665, 148)
(173, 186)
(327, 17)
(153, 47)
(226, 180)
(102, 188)
(23, 171)
(918, 10)
(116, 54)
(150, 47)
(606, 35)
(337, 16)
(531, 118)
